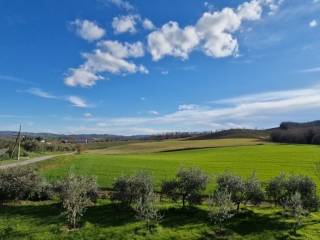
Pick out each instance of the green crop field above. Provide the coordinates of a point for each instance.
(173, 145)
(43, 220)
(265, 160)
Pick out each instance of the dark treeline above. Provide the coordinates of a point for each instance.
(302, 133)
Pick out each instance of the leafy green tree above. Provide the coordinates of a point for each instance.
(188, 186)
(254, 192)
(276, 189)
(130, 189)
(234, 185)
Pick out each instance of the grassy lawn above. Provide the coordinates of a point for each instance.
(105, 221)
(266, 160)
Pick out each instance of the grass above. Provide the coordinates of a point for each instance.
(173, 145)
(105, 221)
(43, 220)
(265, 160)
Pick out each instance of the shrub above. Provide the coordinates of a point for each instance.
(253, 190)
(22, 184)
(276, 189)
(147, 211)
(130, 189)
(294, 206)
(188, 186)
(282, 188)
(220, 207)
(76, 194)
(306, 188)
(234, 185)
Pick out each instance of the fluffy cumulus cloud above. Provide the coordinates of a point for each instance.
(171, 40)
(88, 30)
(148, 24)
(213, 33)
(109, 57)
(313, 23)
(123, 24)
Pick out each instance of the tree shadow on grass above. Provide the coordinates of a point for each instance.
(44, 213)
(249, 222)
(109, 215)
(175, 217)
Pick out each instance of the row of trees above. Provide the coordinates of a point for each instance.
(295, 194)
(306, 135)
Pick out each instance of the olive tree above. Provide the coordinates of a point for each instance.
(23, 183)
(234, 185)
(147, 210)
(77, 193)
(130, 189)
(187, 186)
(253, 190)
(220, 207)
(294, 206)
(282, 188)
(276, 189)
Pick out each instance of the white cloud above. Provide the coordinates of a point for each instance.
(148, 24)
(153, 112)
(264, 109)
(109, 57)
(164, 72)
(82, 77)
(123, 50)
(213, 33)
(311, 70)
(171, 40)
(123, 24)
(40, 93)
(186, 107)
(313, 23)
(87, 115)
(77, 101)
(122, 4)
(88, 30)
(74, 100)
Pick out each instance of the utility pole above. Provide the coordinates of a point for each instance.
(19, 143)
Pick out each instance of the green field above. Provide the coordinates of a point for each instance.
(265, 160)
(43, 220)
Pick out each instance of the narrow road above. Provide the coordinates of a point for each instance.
(30, 161)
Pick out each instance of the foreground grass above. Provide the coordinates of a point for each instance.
(105, 221)
(266, 160)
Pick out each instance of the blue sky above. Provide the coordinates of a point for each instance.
(145, 67)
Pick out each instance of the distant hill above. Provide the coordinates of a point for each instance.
(291, 132)
(234, 133)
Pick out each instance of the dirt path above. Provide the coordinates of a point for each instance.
(30, 161)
